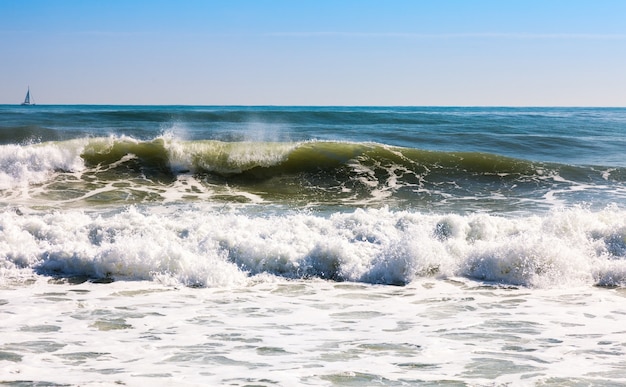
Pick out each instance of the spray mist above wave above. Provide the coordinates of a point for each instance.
(225, 157)
(202, 247)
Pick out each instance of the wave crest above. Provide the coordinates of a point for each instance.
(306, 172)
(22, 165)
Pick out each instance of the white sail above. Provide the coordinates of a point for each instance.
(27, 99)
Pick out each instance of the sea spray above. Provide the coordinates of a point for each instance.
(225, 158)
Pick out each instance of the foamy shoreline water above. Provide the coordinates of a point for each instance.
(295, 332)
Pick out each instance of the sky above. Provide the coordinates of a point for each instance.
(314, 52)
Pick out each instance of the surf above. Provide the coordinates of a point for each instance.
(123, 169)
(207, 246)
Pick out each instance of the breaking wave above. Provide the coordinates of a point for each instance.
(202, 246)
(305, 172)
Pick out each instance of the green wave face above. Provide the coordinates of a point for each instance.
(310, 173)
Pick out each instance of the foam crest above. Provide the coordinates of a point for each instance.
(128, 245)
(203, 247)
(21, 165)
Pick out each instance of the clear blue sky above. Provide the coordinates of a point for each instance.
(314, 52)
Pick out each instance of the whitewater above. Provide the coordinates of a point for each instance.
(177, 245)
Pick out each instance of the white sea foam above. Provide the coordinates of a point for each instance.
(278, 332)
(21, 165)
(205, 246)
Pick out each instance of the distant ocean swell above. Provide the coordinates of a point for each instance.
(204, 246)
(339, 169)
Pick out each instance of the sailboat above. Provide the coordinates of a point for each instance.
(27, 99)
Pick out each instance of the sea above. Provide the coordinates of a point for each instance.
(312, 246)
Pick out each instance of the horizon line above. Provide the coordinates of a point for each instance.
(320, 106)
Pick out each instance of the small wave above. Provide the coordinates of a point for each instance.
(106, 151)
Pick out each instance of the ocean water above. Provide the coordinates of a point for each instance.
(333, 246)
